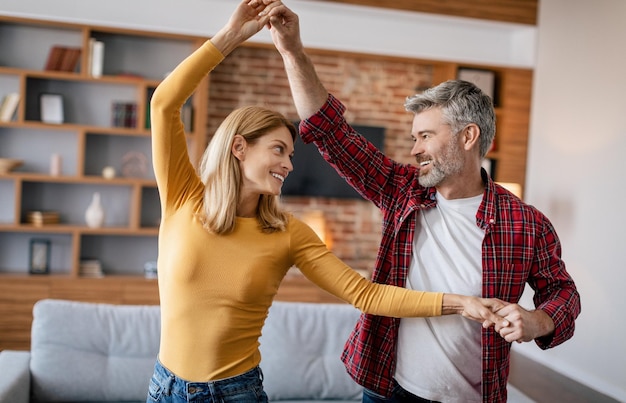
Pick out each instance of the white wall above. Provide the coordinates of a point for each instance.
(576, 169)
(324, 25)
(577, 131)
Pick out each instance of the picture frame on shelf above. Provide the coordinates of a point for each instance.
(51, 108)
(482, 78)
(39, 256)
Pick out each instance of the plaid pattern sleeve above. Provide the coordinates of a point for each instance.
(520, 246)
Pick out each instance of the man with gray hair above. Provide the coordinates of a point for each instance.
(447, 226)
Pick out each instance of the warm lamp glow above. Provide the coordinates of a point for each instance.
(512, 187)
(316, 220)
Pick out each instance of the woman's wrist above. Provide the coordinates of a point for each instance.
(452, 304)
(226, 41)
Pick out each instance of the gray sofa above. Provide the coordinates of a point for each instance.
(100, 352)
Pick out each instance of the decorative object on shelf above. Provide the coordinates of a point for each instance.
(51, 108)
(134, 164)
(39, 261)
(9, 106)
(94, 215)
(90, 268)
(40, 218)
(9, 164)
(55, 164)
(483, 79)
(108, 172)
(124, 114)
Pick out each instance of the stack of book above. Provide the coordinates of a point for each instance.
(41, 218)
(90, 268)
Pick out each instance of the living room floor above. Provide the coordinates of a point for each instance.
(516, 396)
(530, 381)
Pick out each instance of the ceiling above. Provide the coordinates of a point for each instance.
(516, 11)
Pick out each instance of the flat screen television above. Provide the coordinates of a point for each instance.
(313, 176)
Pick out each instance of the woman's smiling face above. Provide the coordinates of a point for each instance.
(266, 163)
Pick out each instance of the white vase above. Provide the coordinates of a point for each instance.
(94, 216)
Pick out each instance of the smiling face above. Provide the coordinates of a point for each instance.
(437, 150)
(265, 163)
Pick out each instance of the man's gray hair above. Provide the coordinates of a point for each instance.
(461, 103)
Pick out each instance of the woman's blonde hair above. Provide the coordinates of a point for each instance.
(221, 175)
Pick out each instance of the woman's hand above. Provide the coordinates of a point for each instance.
(478, 309)
(249, 17)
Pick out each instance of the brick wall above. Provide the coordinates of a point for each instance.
(372, 88)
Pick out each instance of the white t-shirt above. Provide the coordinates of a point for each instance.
(440, 358)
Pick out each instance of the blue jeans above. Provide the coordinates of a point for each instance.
(399, 395)
(165, 387)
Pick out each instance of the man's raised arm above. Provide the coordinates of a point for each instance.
(307, 90)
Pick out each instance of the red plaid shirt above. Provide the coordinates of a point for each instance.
(520, 246)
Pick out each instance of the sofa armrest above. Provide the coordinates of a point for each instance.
(15, 378)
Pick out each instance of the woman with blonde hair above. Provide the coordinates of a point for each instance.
(225, 244)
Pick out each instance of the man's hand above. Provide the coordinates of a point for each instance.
(284, 27)
(523, 325)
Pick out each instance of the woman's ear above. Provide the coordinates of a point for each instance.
(239, 147)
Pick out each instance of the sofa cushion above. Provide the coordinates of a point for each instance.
(301, 349)
(85, 352)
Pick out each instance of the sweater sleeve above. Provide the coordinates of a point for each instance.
(328, 272)
(174, 172)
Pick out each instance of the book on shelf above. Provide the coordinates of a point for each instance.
(149, 94)
(124, 114)
(55, 57)
(70, 59)
(62, 58)
(9, 106)
(96, 57)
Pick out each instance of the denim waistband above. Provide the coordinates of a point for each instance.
(176, 385)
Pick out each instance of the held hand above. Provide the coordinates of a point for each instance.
(249, 17)
(482, 310)
(474, 308)
(523, 325)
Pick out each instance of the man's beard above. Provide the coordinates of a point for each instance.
(450, 163)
